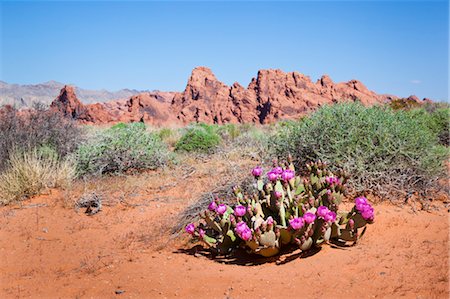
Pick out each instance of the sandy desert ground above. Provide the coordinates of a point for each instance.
(50, 250)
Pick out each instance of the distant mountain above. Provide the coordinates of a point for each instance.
(24, 95)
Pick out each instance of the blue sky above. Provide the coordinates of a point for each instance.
(393, 47)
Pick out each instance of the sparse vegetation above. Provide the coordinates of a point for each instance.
(385, 151)
(26, 130)
(29, 173)
(199, 138)
(121, 148)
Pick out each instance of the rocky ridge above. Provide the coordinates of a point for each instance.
(271, 96)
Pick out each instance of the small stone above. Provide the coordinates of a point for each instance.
(118, 292)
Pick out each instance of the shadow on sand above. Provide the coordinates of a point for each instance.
(242, 258)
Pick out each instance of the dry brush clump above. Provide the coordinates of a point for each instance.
(29, 173)
(22, 130)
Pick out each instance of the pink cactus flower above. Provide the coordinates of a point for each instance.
(368, 213)
(287, 175)
(246, 235)
(257, 171)
(332, 180)
(351, 223)
(212, 206)
(361, 201)
(322, 211)
(330, 216)
(240, 211)
(309, 217)
(278, 194)
(201, 233)
(190, 228)
(272, 176)
(221, 209)
(240, 227)
(278, 170)
(297, 223)
(269, 220)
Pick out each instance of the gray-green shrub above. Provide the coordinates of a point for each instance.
(199, 138)
(121, 148)
(383, 150)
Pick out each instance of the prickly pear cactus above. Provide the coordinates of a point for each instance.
(285, 209)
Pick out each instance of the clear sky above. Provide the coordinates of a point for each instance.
(393, 47)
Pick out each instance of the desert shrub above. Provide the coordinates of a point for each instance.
(120, 149)
(229, 132)
(199, 138)
(169, 136)
(252, 142)
(437, 120)
(284, 210)
(28, 173)
(384, 150)
(28, 129)
(404, 103)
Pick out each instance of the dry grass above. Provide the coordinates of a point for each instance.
(32, 172)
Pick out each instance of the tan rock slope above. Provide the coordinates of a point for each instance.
(271, 96)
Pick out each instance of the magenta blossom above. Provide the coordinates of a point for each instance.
(278, 170)
(368, 213)
(322, 211)
(240, 211)
(257, 171)
(287, 175)
(332, 180)
(212, 206)
(240, 227)
(309, 217)
(221, 209)
(361, 201)
(269, 220)
(364, 208)
(190, 228)
(243, 231)
(278, 194)
(201, 233)
(272, 176)
(246, 234)
(330, 216)
(297, 223)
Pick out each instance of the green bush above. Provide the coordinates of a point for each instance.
(437, 120)
(383, 150)
(199, 138)
(122, 148)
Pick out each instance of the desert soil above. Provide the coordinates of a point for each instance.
(50, 250)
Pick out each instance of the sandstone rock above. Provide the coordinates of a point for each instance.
(271, 96)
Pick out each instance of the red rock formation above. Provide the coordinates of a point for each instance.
(271, 96)
(68, 103)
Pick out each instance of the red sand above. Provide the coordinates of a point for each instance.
(54, 252)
